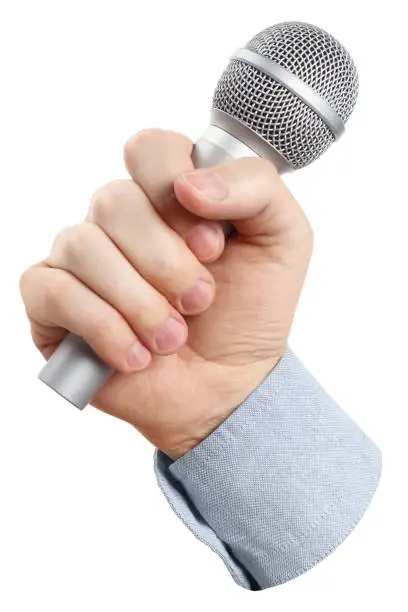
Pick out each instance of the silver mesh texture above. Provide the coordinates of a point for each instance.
(275, 113)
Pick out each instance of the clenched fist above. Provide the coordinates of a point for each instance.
(191, 323)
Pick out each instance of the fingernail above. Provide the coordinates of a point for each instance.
(208, 183)
(138, 357)
(170, 336)
(197, 298)
(204, 240)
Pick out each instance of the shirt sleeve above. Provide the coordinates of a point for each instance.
(280, 484)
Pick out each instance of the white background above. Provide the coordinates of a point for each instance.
(83, 526)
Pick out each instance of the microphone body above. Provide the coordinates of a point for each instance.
(285, 97)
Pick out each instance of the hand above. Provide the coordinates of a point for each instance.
(118, 277)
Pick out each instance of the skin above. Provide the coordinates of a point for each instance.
(117, 276)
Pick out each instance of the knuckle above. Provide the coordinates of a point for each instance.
(173, 272)
(74, 242)
(155, 137)
(108, 201)
(31, 284)
(141, 139)
(103, 327)
(55, 290)
(163, 265)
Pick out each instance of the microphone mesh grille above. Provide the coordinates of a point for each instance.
(274, 112)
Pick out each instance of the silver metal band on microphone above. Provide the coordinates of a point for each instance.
(231, 131)
(298, 87)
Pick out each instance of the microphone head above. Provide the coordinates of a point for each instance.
(294, 128)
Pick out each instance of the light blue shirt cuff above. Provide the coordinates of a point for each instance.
(277, 486)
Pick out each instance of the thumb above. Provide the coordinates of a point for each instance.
(249, 193)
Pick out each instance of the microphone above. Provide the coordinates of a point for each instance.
(285, 96)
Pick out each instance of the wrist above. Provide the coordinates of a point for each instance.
(210, 423)
(200, 435)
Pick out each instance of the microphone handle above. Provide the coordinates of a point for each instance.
(75, 371)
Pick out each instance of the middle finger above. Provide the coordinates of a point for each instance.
(123, 212)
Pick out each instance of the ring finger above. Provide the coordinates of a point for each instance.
(123, 211)
(87, 253)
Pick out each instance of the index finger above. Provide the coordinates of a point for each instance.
(155, 158)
